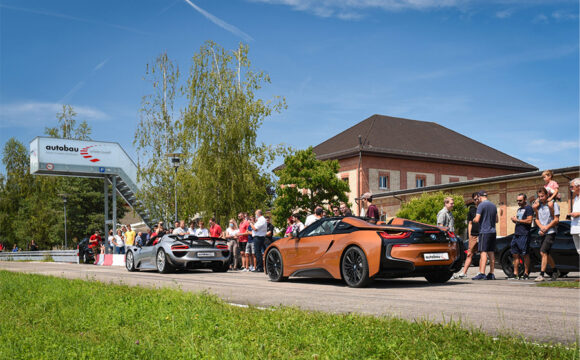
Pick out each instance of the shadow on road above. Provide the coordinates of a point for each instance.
(376, 284)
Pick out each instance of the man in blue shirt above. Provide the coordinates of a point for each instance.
(520, 240)
(487, 218)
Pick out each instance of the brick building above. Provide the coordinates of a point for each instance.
(384, 153)
(502, 191)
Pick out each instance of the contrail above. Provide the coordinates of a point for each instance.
(63, 16)
(82, 83)
(234, 30)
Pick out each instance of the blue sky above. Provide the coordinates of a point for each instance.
(503, 72)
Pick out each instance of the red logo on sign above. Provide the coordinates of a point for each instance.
(86, 155)
(50, 166)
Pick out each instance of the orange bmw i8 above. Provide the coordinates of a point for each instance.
(357, 251)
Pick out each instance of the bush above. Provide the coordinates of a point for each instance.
(426, 207)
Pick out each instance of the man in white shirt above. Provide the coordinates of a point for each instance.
(575, 214)
(180, 229)
(314, 217)
(201, 231)
(260, 227)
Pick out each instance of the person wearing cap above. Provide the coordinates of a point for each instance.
(371, 209)
(487, 217)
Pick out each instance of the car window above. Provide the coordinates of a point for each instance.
(343, 228)
(320, 227)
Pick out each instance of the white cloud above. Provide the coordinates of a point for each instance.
(552, 146)
(540, 18)
(354, 9)
(504, 14)
(41, 114)
(219, 22)
(561, 15)
(73, 18)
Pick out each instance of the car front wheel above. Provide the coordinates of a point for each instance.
(354, 268)
(438, 277)
(275, 266)
(130, 261)
(163, 265)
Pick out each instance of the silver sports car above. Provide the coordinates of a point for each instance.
(185, 252)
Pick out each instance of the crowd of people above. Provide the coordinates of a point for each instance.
(544, 213)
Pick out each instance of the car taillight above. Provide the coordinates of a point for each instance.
(221, 246)
(179, 247)
(400, 235)
(401, 245)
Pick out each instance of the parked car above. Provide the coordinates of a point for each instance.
(357, 251)
(85, 253)
(183, 252)
(563, 251)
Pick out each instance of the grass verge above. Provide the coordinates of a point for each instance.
(54, 318)
(561, 284)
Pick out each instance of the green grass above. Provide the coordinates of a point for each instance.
(54, 318)
(561, 284)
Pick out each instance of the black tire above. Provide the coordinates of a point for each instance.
(354, 268)
(507, 264)
(275, 266)
(130, 261)
(438, 277)
(222, 268)
(163, 265)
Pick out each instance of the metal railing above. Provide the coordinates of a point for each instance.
(66, 256)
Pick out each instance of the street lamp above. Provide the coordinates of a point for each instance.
(64, 199)
(174, 160)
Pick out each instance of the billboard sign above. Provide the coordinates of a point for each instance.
(53, 156)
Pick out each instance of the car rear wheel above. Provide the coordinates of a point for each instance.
(439, 277)
(163, 265)
(507, 264)
(354, 267)
(274, 266)
(130, 261)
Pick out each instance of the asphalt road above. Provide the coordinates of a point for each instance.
(539, 314)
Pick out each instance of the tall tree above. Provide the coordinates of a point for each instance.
(156, 136)
(305, 182)
(223, 168)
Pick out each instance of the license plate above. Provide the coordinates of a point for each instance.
(205, 254)
(436, 256)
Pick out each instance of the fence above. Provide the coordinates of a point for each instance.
(66, 256)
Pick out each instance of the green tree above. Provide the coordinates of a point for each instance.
(156, 136)
(426, 207)
(66, 126)
(223, 169)
(302, 171)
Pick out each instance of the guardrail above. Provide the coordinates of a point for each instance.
(66, 256)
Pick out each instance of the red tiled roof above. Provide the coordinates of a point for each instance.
(397, 137)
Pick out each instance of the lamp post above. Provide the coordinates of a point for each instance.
(64, 200)
(174, 159)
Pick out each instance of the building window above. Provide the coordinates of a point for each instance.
(384, 182)
(345, 179)
(420, 181)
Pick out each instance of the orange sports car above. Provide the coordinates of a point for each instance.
(356, 251)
